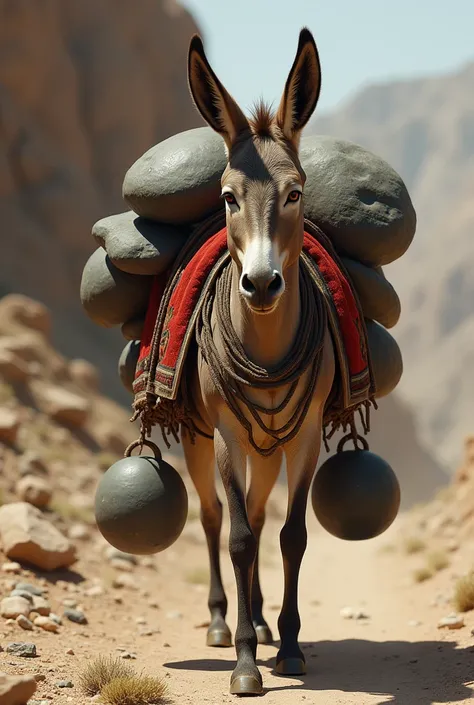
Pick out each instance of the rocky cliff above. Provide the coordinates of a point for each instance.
(85, 88)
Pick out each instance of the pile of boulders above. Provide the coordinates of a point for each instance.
(355, 197)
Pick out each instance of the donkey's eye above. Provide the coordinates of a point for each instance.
(293, 196)
(229, 198)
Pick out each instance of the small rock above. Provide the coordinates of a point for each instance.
(28, 587)
(154, 605)
(41, 606)
(75, 616)
(94, 591)
(70, 652)
(347, 613)
(148, 562)
(11, 567)
(414, 623)
(23, 649)
(174, 615)
(30, 463)
(120, 564)
(118, 600)
(47, 624)
(166, 645)
(35, 490)
(96, 698)
(64, 684)
(452, 621)
(56, 618)
(114, 553)
(12, 607)
(26, 535)
(39, 677)
(15, 690)
(140, 620)
(22, 593)
(125, 580)
(127, 655)
(24, 622)
(78, 532)
(10, 422)
(60, 404)
(10, 622)
(69, 602)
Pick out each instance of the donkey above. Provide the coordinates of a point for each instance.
(262, 187)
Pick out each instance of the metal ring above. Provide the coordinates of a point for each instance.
(140, 444)
(356, 439)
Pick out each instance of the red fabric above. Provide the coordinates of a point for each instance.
(187, 291)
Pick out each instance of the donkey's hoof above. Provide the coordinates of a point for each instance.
(264, 634)
(219, 637)
(246, 685)
(291, 667)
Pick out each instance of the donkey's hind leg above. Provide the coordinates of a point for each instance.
(200, 462)
(264, 474)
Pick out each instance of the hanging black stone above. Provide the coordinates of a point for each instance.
(141, 504)
(355, 495)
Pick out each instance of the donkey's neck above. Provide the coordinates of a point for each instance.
(267, 338)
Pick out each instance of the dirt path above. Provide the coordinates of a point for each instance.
(383, 659)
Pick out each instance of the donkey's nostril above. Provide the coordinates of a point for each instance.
(247, 285)
(275, 284)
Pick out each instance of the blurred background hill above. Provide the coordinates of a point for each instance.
(86, 87)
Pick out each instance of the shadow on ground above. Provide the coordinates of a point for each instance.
(402, 673)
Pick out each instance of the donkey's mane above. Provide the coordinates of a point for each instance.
(262, 120)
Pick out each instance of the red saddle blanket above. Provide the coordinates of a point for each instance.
(176, 298)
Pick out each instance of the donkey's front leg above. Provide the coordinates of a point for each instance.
(301, 460)
(231, 461)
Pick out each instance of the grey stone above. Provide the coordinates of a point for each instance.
(109, 296)
(41, 606)
(386, 359)
(65, 684)
(178, 180)
(378, 298)
(132, 330)
(22, 593)
(28, 587)
(127, 364)
(75, 616)
(137, 245)
(20, 648)
(357, 199)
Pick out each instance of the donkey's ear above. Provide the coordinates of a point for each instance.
(301, 90)
(215, 104)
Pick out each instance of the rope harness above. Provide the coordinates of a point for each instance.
(233, 372)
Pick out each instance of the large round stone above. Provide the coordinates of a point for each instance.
(386, 359)
(378, 298)
(178, 180)
(127, 364)
(357, 199)
(141, 505)
(109, 296)
(355, 495)
(139, 246)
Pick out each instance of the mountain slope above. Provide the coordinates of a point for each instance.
(425, 130)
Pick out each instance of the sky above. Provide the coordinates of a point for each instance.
(251, 43)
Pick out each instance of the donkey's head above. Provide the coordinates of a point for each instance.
(263, 183)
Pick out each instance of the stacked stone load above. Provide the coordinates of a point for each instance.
(357, 199)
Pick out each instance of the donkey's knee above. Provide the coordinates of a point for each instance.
(294, 538)
(242, 546)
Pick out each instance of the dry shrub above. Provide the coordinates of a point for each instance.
(422, 574)
(464, 593)
(437, 560)
(414, 544)
(102, 671)
(135, 690)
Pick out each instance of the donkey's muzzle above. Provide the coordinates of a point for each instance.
(262, 291)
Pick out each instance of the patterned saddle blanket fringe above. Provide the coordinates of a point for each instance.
(161, 387)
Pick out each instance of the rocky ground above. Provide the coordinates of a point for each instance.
(380, 620)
